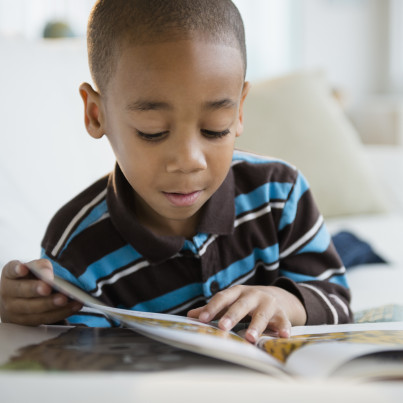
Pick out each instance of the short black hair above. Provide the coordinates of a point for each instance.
(115, 23)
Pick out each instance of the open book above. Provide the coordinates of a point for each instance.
(366, 350)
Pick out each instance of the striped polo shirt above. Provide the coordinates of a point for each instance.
(261, 227)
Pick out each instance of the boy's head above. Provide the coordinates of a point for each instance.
(170, 77)
(113, 25)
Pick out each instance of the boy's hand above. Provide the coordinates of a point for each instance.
(270, 307)
(25, 300)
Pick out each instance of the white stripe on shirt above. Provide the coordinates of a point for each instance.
(74, 221)
(329, 273)
(325, 299)
(341, 303)
(248, 217)
(252, 216)
(118, 276)
(303, 239)
(210, 240)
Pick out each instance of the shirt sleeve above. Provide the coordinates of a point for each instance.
(310, 267)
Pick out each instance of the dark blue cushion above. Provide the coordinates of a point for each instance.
(354, 251)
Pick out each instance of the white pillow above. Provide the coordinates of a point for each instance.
(296, 119)
(388, 161)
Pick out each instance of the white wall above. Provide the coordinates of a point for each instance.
(27, 18)
(356, 42)
(270, 29)
(396, 46)
(348, 39)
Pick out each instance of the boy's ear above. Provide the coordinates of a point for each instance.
(245, 91)
(93, 112)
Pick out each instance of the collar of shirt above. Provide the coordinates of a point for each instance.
(217, 218)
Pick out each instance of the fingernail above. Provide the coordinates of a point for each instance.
(285, 333)
(204, 316)
(252, 333)
(226, 323)
(76, 307)
(18, 270)
(60, 300)
(42, 290)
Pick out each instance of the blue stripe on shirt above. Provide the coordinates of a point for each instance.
(200, 239)
(291, 206)
(242, 267)
(171, 299)
(256, 159)
(261, 195)
(319, 243)
(108, 264)
(300, 278)
(88, 320)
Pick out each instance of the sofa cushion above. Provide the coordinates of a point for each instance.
(295, 118)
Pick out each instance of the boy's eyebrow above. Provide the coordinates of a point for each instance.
(143, 105)
(225, 103)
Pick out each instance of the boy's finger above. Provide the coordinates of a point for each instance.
(28, 288)
(280, 324)
(260, 320)
(219, 302)
(44, 267)
(14, 269)
(238, 310)
(194, 313)
(39, 305)
(50, 317)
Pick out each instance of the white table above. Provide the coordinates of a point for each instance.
(212, 383)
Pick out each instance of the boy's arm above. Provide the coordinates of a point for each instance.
(310, 267)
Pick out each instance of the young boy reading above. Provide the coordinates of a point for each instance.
(184, 224)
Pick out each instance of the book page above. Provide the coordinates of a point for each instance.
(326, 348)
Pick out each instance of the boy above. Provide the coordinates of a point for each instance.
(184, 224)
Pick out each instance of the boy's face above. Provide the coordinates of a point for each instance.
(172, 112)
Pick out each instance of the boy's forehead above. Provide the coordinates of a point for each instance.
(164, 40)
(195, 56)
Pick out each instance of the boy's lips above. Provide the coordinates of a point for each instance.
(182, 199)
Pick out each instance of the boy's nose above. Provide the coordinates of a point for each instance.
(186, 156)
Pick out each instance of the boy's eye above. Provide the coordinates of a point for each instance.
(151, 136)
(213, 134)
(161, 135)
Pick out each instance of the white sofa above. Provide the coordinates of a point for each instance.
(46, 157)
